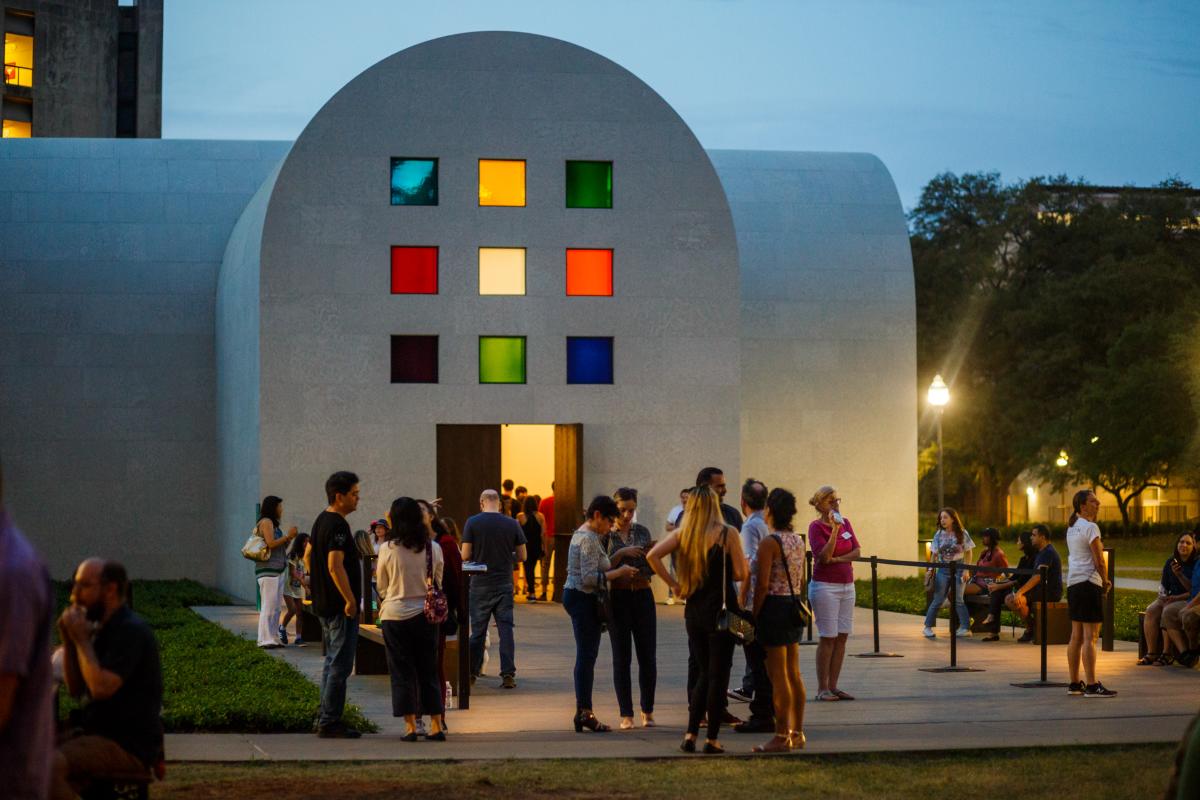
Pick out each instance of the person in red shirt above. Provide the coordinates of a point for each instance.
(546, 509)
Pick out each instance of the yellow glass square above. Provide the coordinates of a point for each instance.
(502, 270)
(501, 183)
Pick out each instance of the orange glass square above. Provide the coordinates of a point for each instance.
(501, 182)
(589, 273)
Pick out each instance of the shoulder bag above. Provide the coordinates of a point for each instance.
(255, 547)
(734, 621)
(801, 614)
(436, 607)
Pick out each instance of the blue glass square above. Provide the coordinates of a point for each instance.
(589, 359)
(414, 182)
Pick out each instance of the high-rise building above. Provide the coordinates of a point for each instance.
(82, 68)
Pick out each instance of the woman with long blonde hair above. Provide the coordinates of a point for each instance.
(707, 551)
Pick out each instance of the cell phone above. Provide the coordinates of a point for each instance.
(837, 517)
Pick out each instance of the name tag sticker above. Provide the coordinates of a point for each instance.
(846, 535)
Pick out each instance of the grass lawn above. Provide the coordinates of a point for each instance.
(213, 680)
(907, 596)
(1113, 773)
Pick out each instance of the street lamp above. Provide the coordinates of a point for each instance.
(939, 395)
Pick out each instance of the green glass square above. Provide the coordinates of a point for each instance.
(414, 182)
(589, 184)
(501, 359)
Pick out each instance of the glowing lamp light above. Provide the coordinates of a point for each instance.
(939, 392)
(1095, 439)
(1063, 459)
(1031, 492)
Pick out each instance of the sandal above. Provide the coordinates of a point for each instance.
(1148, 660)
(1165, 660)
(777, 744)
(843, 695)
(825, 694)
(796, 740)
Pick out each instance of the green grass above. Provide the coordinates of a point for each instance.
(907, 596)
(213, 680)
(1125, 772)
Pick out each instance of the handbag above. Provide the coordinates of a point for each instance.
(734, 621)
(436, 607)
(802, 614)
(256, 548)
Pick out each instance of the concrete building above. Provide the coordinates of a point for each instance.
(488, 252)
(87, 68)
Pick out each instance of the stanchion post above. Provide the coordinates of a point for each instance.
(953, 614)
(808, 573)
(1044, 569)
(1110, 600)
(875, 614)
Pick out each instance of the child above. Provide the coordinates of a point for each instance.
(294, 588)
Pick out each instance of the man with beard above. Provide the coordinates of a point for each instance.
(110, 657)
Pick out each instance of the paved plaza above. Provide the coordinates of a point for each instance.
(899, 707)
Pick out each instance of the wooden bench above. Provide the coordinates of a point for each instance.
(1058, 623)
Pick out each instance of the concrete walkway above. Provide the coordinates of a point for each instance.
(899, 707)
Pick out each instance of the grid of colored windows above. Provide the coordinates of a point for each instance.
(502, 270)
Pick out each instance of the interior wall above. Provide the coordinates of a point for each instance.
(527, 456)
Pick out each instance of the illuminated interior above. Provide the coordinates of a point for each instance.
(414, 182)
(414, 359)
(501, 183)
(18, 59)
(414, 270)
(589, 273)
(527, 456)
(502, 270)
(17, 130)
(589, 359)
(589, 184)
(502, 359)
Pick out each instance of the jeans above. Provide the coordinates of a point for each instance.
(634, 621)
(762, 704)
(712, 654)
(547, 556)
(941, 588)
(490, 600)
(339, 634)
(412, 665)
(585, 622)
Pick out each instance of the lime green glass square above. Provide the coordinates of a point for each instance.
(589, 184)
(501, 359)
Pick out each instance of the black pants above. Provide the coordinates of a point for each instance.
(634, 622)
(996, 605)
(585, 622)
(762, 706)
(712, 653)
(411, 646)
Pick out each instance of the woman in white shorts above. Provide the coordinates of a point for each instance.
(831, 591)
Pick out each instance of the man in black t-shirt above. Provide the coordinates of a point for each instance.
(335, 570)
(714, 478)
(110, 657)
(494, 539)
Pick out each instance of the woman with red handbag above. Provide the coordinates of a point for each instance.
(411, 606)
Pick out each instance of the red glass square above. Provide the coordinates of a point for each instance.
(414, 270)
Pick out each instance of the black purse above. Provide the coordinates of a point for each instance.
(737, 623)
(801, 614)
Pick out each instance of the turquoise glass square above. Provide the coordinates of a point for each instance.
(501, 359)
(589, 184)
(414, 182)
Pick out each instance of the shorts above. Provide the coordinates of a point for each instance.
(1171, 619)
(1085, 602)
(774, 626)
(833, 607)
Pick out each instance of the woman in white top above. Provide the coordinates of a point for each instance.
(408, 563)
(1087, 583)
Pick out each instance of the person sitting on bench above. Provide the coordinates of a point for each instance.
(981, 582)
(1021, 600)
(1002, 587)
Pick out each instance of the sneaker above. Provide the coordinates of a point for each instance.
(530, 598)
(1075, 688)
(337, 730)
(963, 633)
(741, 695)
(508, 682)
(283, 634)
(300, 641)
(928, 633)
(1098, 690)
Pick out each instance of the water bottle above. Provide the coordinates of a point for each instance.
(449, 696)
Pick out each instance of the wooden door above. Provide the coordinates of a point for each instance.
(468, 461)
(568, 495)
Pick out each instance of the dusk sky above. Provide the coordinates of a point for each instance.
(1106, 91)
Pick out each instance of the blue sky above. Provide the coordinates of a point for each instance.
(1107, 91)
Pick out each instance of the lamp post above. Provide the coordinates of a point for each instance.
(939, 395)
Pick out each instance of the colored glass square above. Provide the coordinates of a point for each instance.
(501, 182)
(414, 270)
(589, 184)
(502, 270)
(414, 182)
(501, 359)
(589, 273)
(589, 359)
(414, 359)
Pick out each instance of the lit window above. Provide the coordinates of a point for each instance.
(589, 184)
(501, 359)
(589, 359)
(18, 59)
(589, 273)
(17, 130)
(502, 270)
(414, 359)
(501, 183)
(414, 182)
(414, 270)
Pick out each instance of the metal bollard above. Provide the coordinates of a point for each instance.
(875, 613)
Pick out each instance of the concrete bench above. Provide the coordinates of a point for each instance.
(371, 658)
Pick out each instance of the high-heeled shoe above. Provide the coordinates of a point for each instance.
(586, 719)
(688, 745)
(712, 748)
(796, 740)
(648, 720)
(777, 744)
(626, 723)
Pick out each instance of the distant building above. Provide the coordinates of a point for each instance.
(82, 68)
